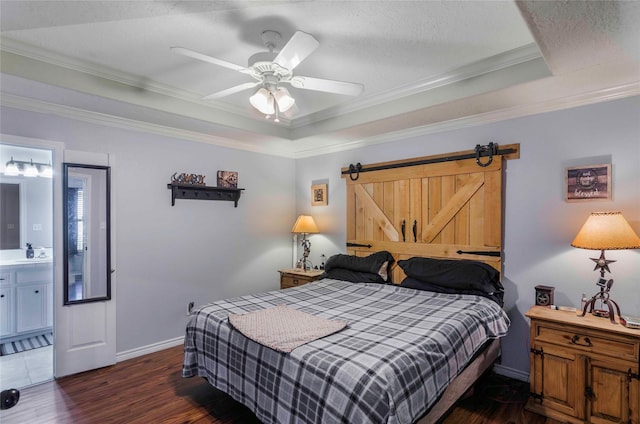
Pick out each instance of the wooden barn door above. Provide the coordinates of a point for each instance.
(433, 210)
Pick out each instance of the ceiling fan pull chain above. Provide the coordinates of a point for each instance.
(275, 107)
(354, 169)
(492, 148)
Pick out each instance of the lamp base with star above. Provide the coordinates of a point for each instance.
(603, 295)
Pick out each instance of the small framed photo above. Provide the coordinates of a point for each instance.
(589, 182)
(227, 179)
(319, 195)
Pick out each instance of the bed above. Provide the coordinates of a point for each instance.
(394, 360)
(418, 334)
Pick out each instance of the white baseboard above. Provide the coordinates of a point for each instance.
(155, 347)
(144, 350)
(511, 372)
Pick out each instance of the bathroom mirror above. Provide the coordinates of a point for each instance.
(10, 215)
(87, 237)
(25, 215)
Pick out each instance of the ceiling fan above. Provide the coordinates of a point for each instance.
(271, 69)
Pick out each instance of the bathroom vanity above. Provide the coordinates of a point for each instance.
(26, 298)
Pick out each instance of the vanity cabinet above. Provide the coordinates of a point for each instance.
(26, 306)
(6, 311)
(31, 307)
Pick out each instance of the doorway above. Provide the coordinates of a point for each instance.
(26, 266)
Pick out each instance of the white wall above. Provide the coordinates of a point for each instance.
(198, 251)
(539, 224)
(203, 251)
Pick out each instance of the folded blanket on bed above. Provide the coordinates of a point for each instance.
(283, 328)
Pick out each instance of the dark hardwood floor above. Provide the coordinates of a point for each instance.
(150, 389)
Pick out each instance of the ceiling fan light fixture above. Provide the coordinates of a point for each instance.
(263, 101)
(284, 99)
(270, 69)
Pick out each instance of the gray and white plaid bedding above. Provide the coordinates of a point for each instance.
(399, 352)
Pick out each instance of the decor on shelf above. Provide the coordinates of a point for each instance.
(15, 168)
(605, 231)
(305, 225)
(186, 178)
(202, 192)
(592, 182)
(227, 179)
(319, 195)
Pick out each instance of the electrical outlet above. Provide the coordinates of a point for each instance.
(190, 308)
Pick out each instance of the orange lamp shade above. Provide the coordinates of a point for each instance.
(305, 225)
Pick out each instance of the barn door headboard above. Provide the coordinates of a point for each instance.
(448, 209)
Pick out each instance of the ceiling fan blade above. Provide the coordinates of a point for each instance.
(296, 50)
(231, 90)
(330, 86)
(205, 58)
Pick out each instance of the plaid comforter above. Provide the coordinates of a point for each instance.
(399, 352)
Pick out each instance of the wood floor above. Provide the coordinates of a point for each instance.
(150, 389)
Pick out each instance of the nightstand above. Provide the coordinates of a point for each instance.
(583, 369)
(293, 277)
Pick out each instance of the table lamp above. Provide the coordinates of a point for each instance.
(305, 225)
(605, 231)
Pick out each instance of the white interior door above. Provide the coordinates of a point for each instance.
(85, 335)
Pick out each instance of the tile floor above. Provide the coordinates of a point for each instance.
(26, 368)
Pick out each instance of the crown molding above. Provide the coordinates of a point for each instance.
(500, 61)
(491, 64)
(298, 150)
(51, 58)
(39, 106)
(519, 111)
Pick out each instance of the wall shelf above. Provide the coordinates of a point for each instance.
(189, 191)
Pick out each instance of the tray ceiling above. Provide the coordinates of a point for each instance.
(424, 64)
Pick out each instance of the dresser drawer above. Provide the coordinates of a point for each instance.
(588, 340)
(292, 281)
(295, 277)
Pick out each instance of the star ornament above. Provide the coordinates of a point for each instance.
(602, 263)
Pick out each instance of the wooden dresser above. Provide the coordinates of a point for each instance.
(294, 277)
(583, 369)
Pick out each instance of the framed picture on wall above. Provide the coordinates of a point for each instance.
(589, 182)
(319, 195)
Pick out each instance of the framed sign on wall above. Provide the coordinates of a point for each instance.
(319, 195)
(589, 182)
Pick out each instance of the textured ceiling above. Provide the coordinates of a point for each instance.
(422, 63)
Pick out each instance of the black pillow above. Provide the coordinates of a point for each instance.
(456, 274)
(378, 263)
(412, 283)
(352, 276)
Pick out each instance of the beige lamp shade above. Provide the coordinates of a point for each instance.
(305, 225)
(606, 231)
